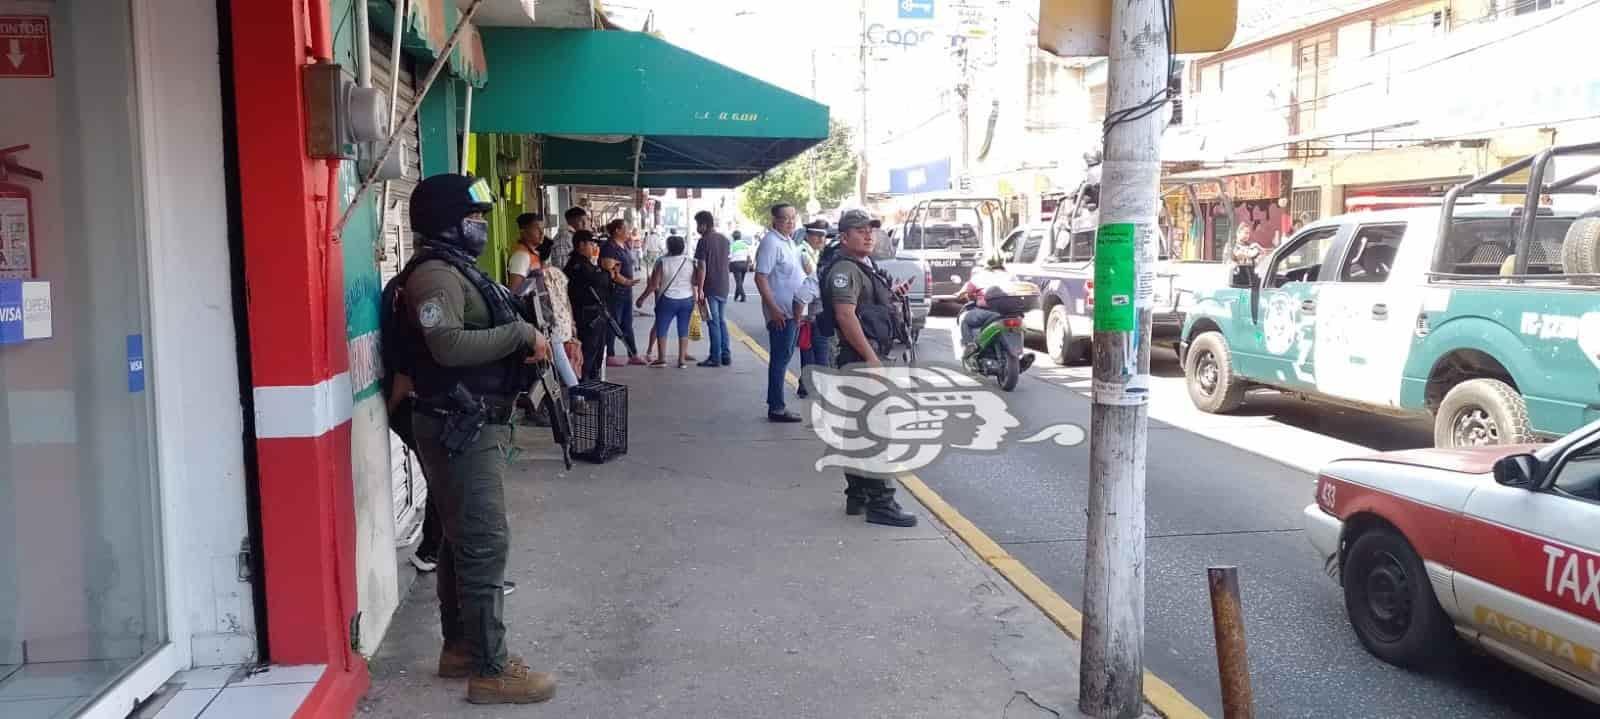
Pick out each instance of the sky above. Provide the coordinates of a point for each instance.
(911, 117)
(774, 40)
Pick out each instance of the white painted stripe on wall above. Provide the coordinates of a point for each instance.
(46, 416)
(300, 411)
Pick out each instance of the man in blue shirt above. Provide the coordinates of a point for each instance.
(779, 273)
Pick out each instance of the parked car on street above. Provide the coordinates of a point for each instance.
(1059, 259)
(951, 236)
(903, 267)
(1495, 545)
(1487, 317)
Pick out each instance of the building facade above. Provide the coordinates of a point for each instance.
(196, 467)
(1388, 103)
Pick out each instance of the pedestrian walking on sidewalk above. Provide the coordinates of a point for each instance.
(672, 284)
(864, 309)
(711, 260)
(469, 350)
(814, 343)
(616, 257)
(779, 273)
(739, 263)
(589, 290)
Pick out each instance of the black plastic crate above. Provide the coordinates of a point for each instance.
(599, 421)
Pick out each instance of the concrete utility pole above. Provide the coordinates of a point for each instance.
(964, 91)
(1111, 681)
(862, 168)
(813, 206)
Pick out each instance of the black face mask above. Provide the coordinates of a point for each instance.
(469, 237)
(474, 236)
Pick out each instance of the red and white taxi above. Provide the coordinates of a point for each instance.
(1497, 545)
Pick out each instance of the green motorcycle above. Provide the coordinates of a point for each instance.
(991, 333)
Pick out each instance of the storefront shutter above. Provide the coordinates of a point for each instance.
(397, 246)
(410, 491)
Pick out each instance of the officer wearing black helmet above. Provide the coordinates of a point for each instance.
(470, 354)
(863, 310)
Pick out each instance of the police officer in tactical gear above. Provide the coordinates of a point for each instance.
(471, 354)
(865, 313)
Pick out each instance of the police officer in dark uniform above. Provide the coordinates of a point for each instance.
(472, 354)
(865, 314)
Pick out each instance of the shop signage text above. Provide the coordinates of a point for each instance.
(135, 363)
(24, 311)
(729, 116)
(880, 34)
(1251, 186)
(25, 50)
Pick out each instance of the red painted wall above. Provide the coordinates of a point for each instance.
(297, 338)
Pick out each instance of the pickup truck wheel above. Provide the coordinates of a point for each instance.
(1580, 254)
(1058, 336)
(1481, 412)
(1391, 603)
(1208, 369)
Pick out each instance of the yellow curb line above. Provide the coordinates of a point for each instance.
(1161, 695)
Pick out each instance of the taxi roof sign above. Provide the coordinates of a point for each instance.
(1082, 28)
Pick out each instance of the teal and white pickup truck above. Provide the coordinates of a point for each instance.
(1485, 317)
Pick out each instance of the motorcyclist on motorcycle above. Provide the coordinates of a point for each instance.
(991, 327)
(976, 315)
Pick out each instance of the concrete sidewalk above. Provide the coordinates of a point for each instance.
(711, 572)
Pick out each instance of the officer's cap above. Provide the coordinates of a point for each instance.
(852, 219)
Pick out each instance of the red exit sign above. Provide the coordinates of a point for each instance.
(25, 46)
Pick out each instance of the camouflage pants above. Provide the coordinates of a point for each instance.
(470, 492)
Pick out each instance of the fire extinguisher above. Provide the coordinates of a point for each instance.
(16, 217)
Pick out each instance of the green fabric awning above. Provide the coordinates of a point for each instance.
(427, 28)
(596, 95)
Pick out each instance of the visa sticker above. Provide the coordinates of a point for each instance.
(135, 363)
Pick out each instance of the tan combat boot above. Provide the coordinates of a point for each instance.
(455, 661)
(515, 685)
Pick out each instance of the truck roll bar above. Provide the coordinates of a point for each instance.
(1532, 191)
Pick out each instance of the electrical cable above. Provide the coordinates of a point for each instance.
(1162, 96)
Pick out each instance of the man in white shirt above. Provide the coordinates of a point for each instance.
(530, 234)
(779, 273)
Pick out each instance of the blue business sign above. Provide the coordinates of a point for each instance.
(927, 177)
(915, 9)
(24, 311)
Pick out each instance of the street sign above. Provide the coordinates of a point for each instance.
(915, 9)
(1082, 28)
(25, 47)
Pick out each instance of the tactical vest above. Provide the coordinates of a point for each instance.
(877, 309)
(506, 377)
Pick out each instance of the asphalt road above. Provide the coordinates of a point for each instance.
(1220, 490)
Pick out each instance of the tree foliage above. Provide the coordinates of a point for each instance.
(791, 181)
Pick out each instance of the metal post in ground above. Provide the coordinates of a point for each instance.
(1111, 680)
(1233, 663)
(862, 170)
